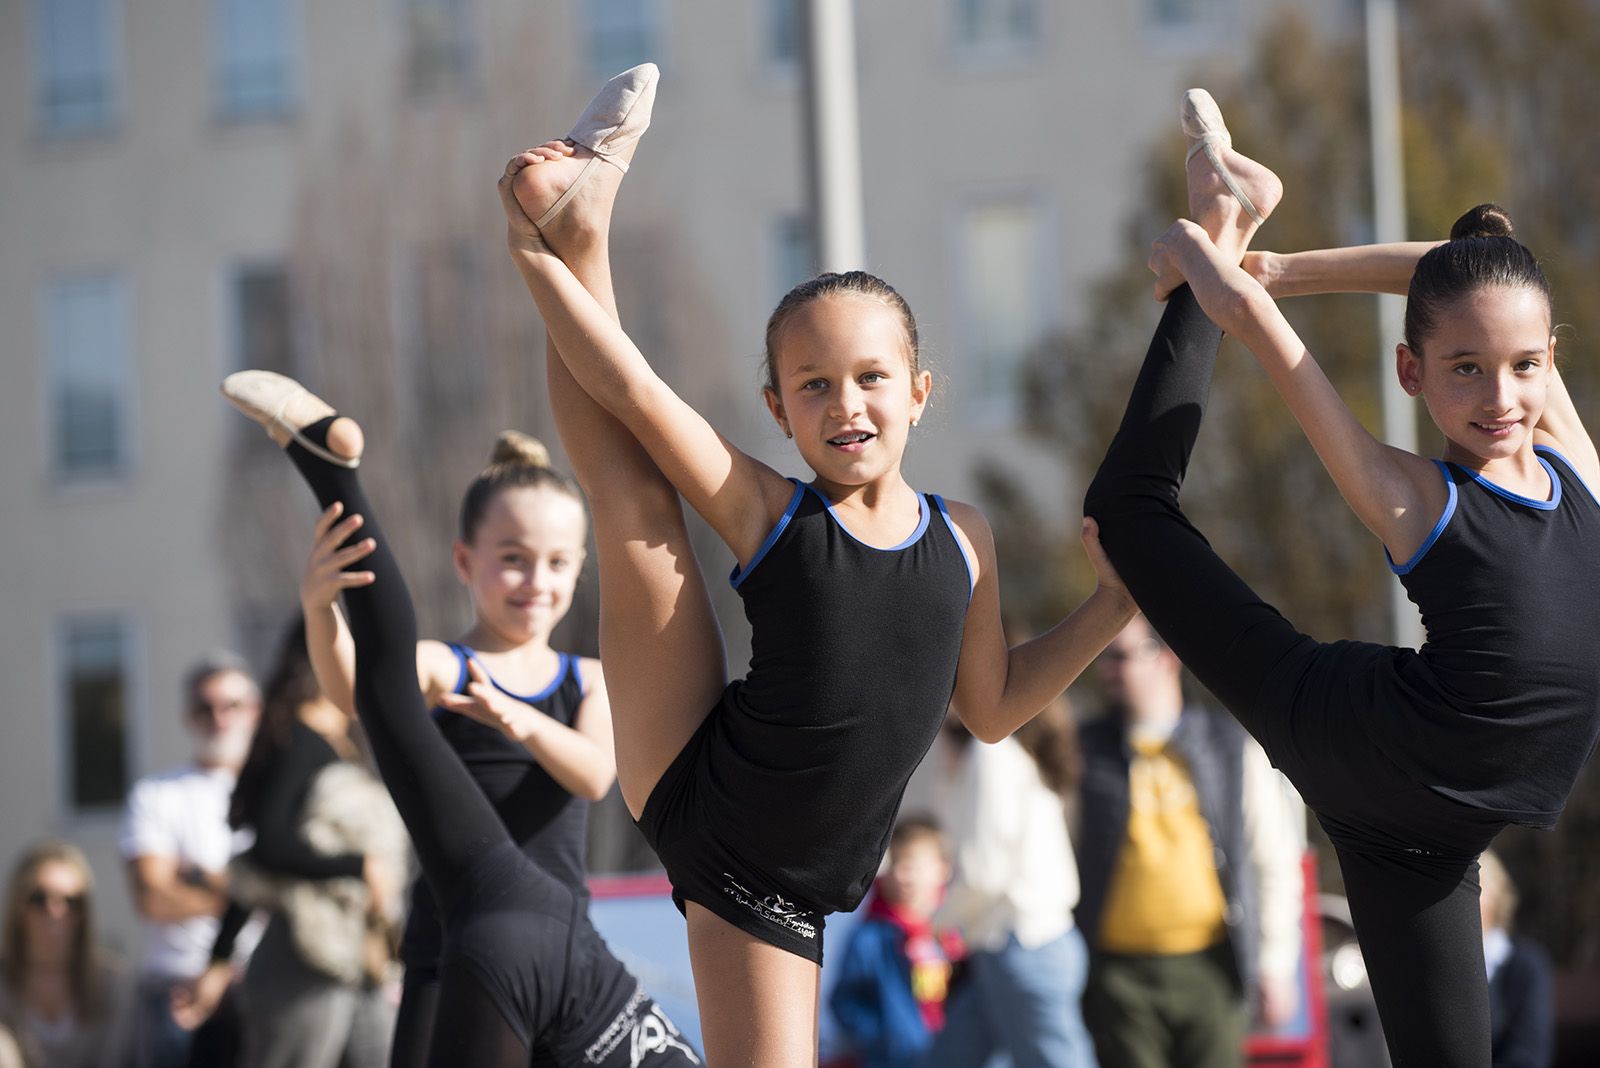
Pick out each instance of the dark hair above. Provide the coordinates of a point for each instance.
(916, 827)
(1480, 253)
(516, 460)
(1051, 739)
(291, 685)
(859, 283)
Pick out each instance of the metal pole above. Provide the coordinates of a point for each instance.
(833, 134)
(1399, 411)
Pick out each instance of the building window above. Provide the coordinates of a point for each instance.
(95, 656)
(443, 324)
(793, 253)
(622, 34)
(77, 82)
(1004, 279)
(1170, 15)
(440, 56)
(86, 347)
(782, 28)
(996, 25)
(255, 57)
(264, 319)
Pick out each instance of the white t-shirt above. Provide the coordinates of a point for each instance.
(1015, 872)
(183, 813)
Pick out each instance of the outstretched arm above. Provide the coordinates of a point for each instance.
(328, 642)
(998, 688)
(1397, 494)
(739, 496)
(1358, 269)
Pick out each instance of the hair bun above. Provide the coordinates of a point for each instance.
(1485, 220)
(515, 447)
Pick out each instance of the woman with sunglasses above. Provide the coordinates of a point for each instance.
(67, 1002)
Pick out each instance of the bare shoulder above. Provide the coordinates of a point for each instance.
(594, 677)
(972, 530)
(438, 670)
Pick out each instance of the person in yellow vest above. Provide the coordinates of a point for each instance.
(1189, 859)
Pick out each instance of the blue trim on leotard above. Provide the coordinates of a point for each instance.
(565, 662)
(738, 574)
(1433, 535)
(922, 523)
(1568, 464)
(972, 570)
(1543, 506)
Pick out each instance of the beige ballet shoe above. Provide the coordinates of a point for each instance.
(617, 116)
(1203, 126)
(265, 396)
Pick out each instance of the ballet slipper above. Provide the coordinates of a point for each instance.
(266, 397)
(614, 120)
(1203, 126)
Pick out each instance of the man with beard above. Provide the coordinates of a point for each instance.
(177, 843)
(1189, 859)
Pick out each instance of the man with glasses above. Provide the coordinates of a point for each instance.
(1189, 858)
(177, 844)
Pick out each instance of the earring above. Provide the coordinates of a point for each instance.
(914, 422)
(788, 433)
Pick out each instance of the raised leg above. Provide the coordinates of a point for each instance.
(659, 639)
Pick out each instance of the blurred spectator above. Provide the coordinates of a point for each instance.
(1190, 852)
(889, 998)
(65, 1002)
(1521, 993)
(177, 843)
(311, 996)
(1014, 890)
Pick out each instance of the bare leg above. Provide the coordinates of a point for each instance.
(659, 639)
(665, 665)
(758, 1003)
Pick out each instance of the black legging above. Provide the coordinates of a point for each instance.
(521, 963)
(1409, 855)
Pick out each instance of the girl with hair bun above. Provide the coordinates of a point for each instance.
(531, 723)
(1412, 759)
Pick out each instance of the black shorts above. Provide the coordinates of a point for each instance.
(527, 940)
(706, 870)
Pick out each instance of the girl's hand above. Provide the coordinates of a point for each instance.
(488, 704)
(521, 235)
(325, 575)
(194, 1001)
(1106, 575)
(381, 886)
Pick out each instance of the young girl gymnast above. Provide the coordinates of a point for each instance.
(531, 724)
(770, 799)
(1412, 759)
(522, 976)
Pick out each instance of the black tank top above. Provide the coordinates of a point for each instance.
(1500, 709)
(547, 822)
(852, 664)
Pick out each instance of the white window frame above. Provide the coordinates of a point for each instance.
(293, 63)
(115, 74)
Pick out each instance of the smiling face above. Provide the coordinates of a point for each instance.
(523, 562)
(1484, 372)
(845, 389)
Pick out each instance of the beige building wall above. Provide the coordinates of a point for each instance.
(967, 151)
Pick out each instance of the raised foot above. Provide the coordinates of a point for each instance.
(284, 408)
(569, 186)
(1230, 194)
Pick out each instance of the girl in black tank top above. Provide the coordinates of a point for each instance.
(770, 799)
(1412, 760)
(531, 724)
